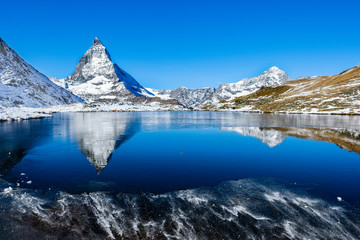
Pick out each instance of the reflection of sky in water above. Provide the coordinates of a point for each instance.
(159, 152)
(163, 152)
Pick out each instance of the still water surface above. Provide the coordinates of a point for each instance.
(168, 175)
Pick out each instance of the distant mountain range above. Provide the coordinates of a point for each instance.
(211, 96)
(98, 80)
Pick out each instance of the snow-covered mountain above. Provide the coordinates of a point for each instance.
(97, 78)
(22, 85)
(226, 91)
(270, 78)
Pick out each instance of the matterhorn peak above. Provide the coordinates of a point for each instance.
(98, 78)
(97, 41)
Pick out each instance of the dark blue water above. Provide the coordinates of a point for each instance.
(162, 152)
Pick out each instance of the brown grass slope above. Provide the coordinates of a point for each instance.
(324, 94)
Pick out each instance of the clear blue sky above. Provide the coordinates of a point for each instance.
(166, 44)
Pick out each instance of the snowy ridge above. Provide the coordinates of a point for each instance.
(96, 78)
(271, 77)
(23, 85)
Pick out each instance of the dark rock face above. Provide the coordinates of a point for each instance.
(96, 41)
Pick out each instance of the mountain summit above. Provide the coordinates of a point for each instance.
(23, 85)
(96, 41)
(97, 78)
(271, 77)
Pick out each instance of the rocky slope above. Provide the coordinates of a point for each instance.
(192, 97)
(22, 85)
(337, 94)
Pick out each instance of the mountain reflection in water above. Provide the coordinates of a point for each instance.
(180, 175)
(98, 135)
(348, 139)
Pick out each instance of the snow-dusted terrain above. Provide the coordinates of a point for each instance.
(97, 78)
(24, 113)
(192, 97)
(163, 94)
(22, 85)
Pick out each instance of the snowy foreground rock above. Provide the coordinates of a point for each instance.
(22, 85)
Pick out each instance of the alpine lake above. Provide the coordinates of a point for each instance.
(180, 175)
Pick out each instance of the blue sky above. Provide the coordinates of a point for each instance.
(166, 44)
